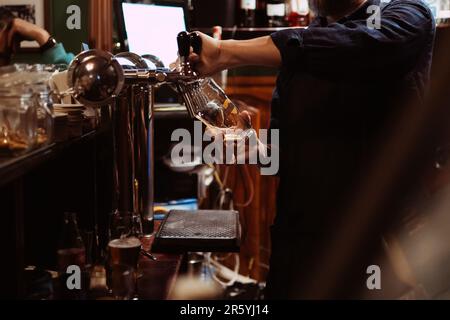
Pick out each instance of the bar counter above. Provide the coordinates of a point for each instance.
(159, 276)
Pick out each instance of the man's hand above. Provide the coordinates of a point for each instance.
(28, 31)
(209, 61)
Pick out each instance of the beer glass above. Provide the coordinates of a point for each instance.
(207, 102)
(123, 282)
(124, 250)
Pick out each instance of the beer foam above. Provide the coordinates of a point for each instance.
(125, 243)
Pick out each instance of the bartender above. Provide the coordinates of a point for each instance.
(342, 83)
(13, 30)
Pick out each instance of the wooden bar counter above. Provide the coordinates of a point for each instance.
(158, 277)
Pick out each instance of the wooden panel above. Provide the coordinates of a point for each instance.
(259, 88)
(253, 94)
(245, 181)
(101, 24)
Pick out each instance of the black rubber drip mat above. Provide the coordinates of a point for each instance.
(199, 231)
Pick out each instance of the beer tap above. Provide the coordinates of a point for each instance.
(127, 82)
(185, 42)
(189, 89)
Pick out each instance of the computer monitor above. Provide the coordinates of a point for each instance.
(152, 28)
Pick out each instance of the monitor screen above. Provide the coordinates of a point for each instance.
(153, 29)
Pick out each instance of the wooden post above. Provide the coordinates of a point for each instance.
(101, 24)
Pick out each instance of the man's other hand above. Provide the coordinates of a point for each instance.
(27, 31)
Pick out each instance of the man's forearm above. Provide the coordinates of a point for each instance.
(260, 51)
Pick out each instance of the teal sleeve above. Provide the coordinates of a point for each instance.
(57, 55)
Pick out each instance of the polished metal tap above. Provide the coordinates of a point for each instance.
(127, 82)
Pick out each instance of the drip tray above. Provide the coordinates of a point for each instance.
(199, 231)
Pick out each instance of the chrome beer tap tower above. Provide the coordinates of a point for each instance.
(127, 82)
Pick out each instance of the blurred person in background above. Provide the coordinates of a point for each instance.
(14, 30)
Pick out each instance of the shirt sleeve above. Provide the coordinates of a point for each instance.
(353, 47)
(57, 55)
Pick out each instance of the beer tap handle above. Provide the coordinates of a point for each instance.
(184, 45)
(196, 42)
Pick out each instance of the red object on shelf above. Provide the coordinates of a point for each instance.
(217, 32)
(298, 13)
(296, 19)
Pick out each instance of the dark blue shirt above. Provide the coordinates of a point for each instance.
(340, 88)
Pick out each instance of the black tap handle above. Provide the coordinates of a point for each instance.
(196, 42)
(184, 44)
